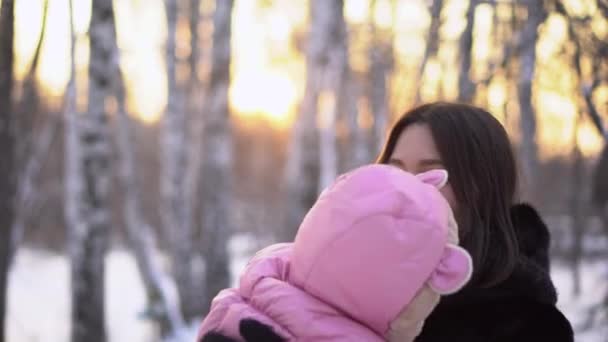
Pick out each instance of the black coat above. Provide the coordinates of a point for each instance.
(522, 308)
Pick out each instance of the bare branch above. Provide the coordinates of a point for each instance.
(595, 116)
(586, 89)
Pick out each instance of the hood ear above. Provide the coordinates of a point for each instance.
(437, 178)
(453, 271)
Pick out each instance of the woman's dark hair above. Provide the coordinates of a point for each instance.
(476, 151)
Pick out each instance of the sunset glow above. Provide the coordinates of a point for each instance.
(268, 72)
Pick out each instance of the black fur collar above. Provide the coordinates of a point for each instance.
(521, 308)
(530, 279)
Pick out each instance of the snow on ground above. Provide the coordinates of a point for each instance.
(39, 310)
(39, 297)
(594, 284)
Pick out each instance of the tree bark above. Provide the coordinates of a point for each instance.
(90, 232)
(466, 87)
(577, 205)
(31, 150)
(302, 170)
(432, 42)
(7, 150)
(139, 233)
(217, 145)
(329, 106)
(29, 104)
(600, 188)
(71, 166)
(328, 162)
(381, 56)
(527, 64)
(196, 99)
(175, 210)
(358, 151)
(27, 195)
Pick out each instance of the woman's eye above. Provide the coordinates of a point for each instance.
(426, 169)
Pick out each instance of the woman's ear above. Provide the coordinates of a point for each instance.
(453, 271)
(437, 178)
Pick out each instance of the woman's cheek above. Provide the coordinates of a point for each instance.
(447, 192)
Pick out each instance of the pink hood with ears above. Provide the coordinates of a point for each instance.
(370, 242)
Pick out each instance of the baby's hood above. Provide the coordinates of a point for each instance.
(373, 239)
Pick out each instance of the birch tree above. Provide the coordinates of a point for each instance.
(527, 66)
(140, 235)
(357, 149)
(577, 205)
(217, 162)
(7, 149)
(29, 104)
(328, 162)
(302, 169)
(32, 150)
(175, 205)
(89, 232)
(466, 87)
(381, 63)
(71, 167)
(432, 42)
(196, 99)
(334, 75)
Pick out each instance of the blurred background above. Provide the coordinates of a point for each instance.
(148, 148)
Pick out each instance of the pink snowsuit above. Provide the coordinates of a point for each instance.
(372, 240)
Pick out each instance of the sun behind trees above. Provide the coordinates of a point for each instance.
(189, 132)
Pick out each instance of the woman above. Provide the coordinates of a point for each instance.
(511, 296)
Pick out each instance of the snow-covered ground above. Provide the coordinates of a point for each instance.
(594, 284)
(38, 307)
(39, 298)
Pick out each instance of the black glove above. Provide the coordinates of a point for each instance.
(216, 337)
(251, 330)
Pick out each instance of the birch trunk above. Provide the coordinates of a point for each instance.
(91, 229)
(334, 75)
(7, 150)
(328, 158)
(577, 206)
(175, 210)
(31, 149)
(432, 42)
(527, 64)
(381, 63)
(323, 54)
(358, 150)
(139, 233)
(216, 172)
(466, 87)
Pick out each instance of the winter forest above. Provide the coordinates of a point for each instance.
(148, 148)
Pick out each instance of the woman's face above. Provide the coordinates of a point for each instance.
(415, 152)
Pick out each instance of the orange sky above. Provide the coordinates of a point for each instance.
(269, 81)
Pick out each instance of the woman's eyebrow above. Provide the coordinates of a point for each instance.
(430, 162)
(396, 162)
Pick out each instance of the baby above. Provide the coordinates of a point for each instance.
(369, 262)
